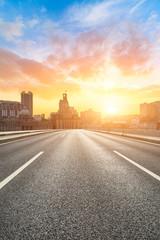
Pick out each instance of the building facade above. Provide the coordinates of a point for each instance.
(157, 105)
(23, 122)
(150, 115)
(66, 117)
(9, 109)
(27, 101)
(90, 119)
(16, 116)
(39, 117)
(150, 112)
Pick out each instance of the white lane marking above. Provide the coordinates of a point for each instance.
(63, 135)
(14, 174)
(139, 166)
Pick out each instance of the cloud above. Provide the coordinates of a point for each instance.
(103, 41)
(43, 9)
(137, 6)
(19, 73)
(89, 15)
(107, 50)
(27, 46)
(133, 53)
(33, 22)
(94, 14)
(149, 93)
(10, 30)
(79, 58)
(96, 51)
(99, 56)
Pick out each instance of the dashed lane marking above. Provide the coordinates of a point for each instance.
(139, 166)
(14, 174)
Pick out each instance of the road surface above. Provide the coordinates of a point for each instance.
(78, 184)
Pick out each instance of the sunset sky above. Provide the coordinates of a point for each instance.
(106, 54)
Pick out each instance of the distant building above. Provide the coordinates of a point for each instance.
(39, 117)
(27, 101)
(23, 122)
(157, 104)
(132, 120)
(66, 117)
(150, 112)
(90, 119)
(43, 116)
(15, 117)
(121, 121)
(9, 109)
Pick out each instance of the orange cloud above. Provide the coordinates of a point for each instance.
(132, 54)
(18, 73)
(142, 94)
(94, 51)
(84, 58)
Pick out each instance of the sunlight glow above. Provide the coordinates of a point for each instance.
(111, 110)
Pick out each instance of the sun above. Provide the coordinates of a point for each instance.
(111, 110)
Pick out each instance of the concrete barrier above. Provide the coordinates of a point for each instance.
(6, 136)
(19, 132)
(146, 135)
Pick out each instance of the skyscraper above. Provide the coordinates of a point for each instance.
(27, 101)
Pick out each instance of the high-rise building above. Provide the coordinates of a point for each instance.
(27, 101)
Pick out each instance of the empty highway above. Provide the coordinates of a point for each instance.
(79, 184)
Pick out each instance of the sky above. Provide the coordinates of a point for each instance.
(105, 54)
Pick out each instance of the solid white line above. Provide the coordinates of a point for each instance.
(14, 174)
(139, 166)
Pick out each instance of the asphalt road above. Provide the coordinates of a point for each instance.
(79, 185)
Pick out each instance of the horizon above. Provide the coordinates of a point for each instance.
(111, 111)
(105, 54)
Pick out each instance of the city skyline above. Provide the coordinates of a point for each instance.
(150, 110)
(105, 54)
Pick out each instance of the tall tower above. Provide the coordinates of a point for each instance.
(63, 104)
(27, 101)
(65, 97)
